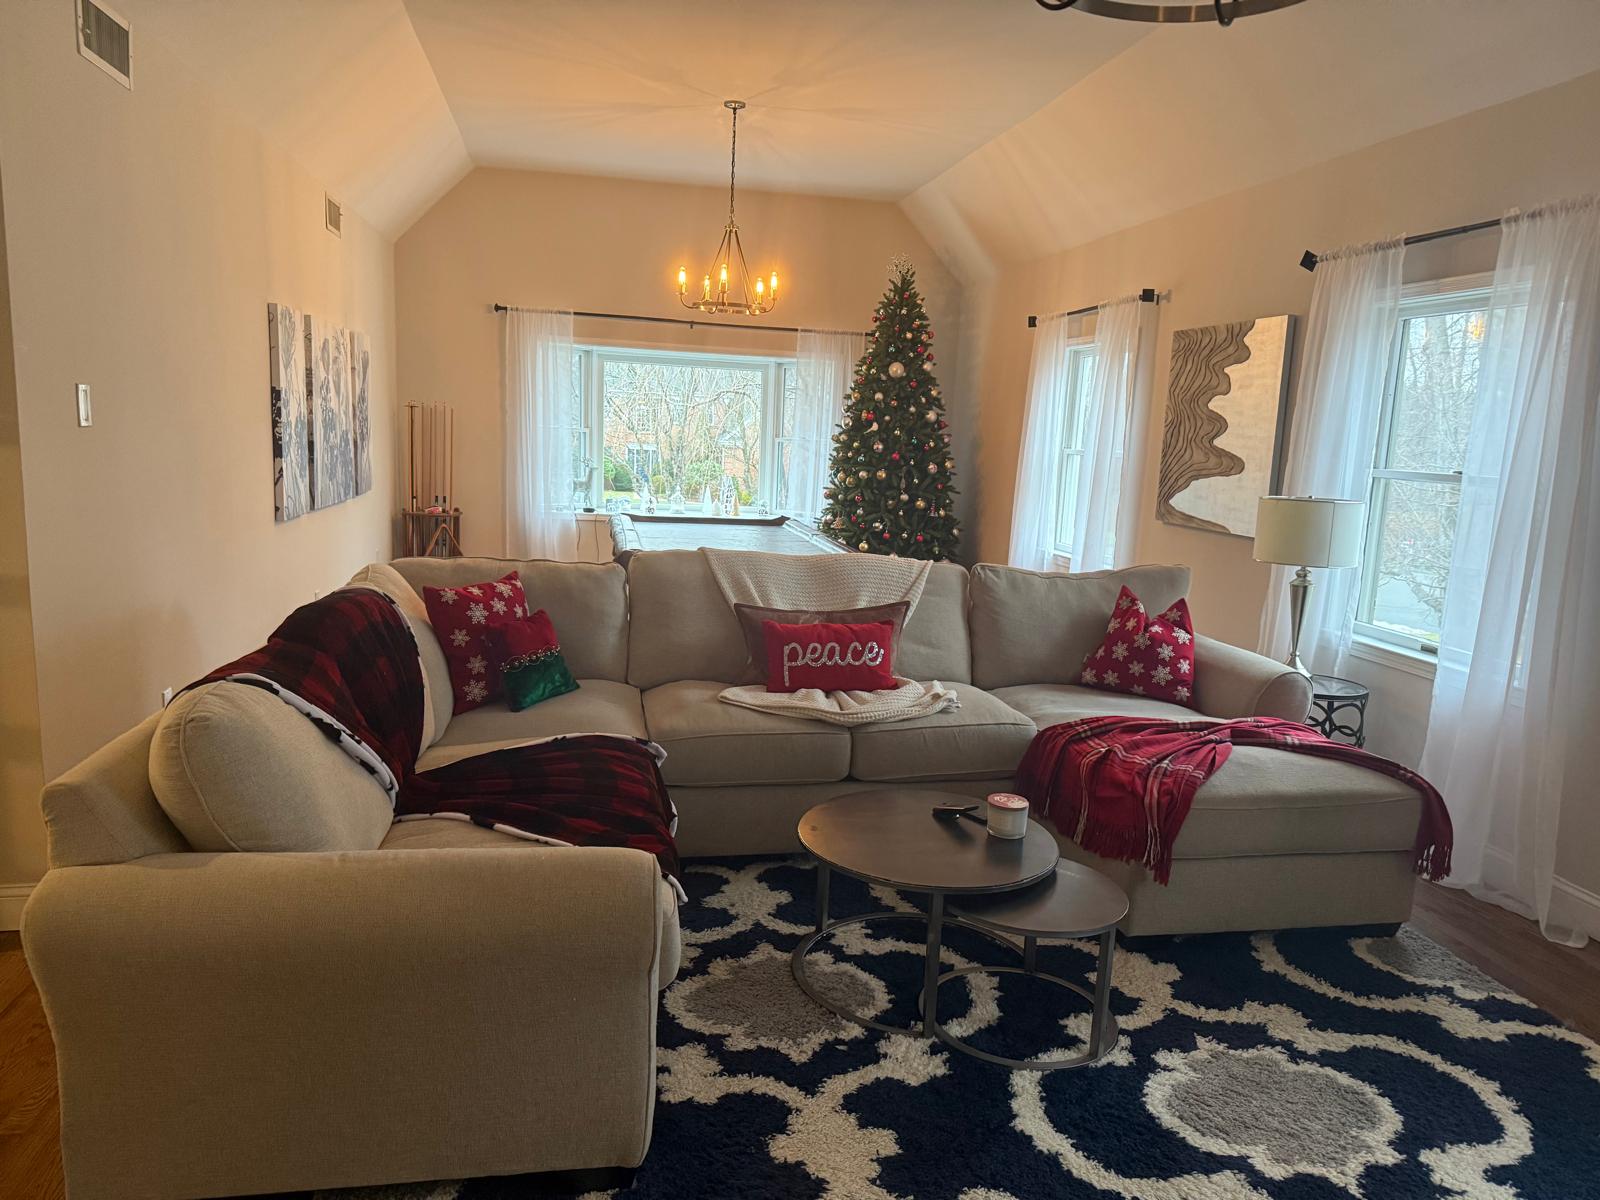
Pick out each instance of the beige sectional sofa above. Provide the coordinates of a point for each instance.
(355, 1011)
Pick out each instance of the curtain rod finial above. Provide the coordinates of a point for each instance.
(1033, 322)
(1308, 260)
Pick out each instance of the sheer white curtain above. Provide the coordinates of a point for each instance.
(1349, 343)
(1033, 505)
(539, 410)
(1112, 421)
(823, 366)
(1516, 700)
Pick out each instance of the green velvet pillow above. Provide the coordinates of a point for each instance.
(530, 662)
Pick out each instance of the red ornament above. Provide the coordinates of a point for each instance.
(895, 457)
(886, 535)
(919, 537)
(944, 424)
(940, 486)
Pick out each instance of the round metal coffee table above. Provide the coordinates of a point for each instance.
(1075, 901)
(890, 837)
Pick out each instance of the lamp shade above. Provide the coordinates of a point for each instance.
(1309, 531)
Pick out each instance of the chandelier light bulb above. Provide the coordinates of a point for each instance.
(683, 280)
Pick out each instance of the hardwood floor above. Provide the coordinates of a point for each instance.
(1562, 981)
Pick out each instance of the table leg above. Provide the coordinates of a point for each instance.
(1030, 954)
(1102, 991)
(823, 875)
(930, 970)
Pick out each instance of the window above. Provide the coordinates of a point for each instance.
(1416, 475)
(686, 432)
(1080, 381)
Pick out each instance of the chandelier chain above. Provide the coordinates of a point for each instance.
(733, 163)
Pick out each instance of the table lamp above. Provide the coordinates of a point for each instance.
(1305, 532)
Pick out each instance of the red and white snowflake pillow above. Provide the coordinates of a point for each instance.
(1144, 655)
(461, 617)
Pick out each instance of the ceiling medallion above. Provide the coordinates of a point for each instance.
(1223, 12)
(753, 299)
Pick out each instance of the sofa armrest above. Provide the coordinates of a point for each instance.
(1232, 682)
(242, 1023)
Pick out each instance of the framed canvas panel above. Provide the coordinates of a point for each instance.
(1224, 431)
(361, 409)
(333, 459)
(291, 433)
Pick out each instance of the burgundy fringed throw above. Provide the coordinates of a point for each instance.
(349, 663)
(1121, 787)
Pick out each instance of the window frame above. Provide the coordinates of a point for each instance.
(1425, 299)
(1079, 351)
(589, 405)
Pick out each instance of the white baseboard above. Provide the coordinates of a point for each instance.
(1575, 906)
(12, 897)
(1571, 906)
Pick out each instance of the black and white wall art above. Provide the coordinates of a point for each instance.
(360, 404)
(291, 447)
(333, 469)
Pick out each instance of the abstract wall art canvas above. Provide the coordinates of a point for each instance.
(291, 432)
(361, 410)
(333, 461)
(1224, 424)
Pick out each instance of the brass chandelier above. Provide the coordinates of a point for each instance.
(1223, 12)
(716, 297)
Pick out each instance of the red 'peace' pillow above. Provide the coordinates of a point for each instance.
(461, 617)
(1144, 655)
(834, 658)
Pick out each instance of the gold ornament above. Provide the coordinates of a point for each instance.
(882, 474)
(877, 396)
(921, 503)
(862, 474)
(897, 370)
(861, 546)
(932, 416)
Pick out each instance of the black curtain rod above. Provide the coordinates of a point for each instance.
(1148, 296)
(1308, 260)
(601, 316)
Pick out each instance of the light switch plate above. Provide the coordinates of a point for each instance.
(85, 411)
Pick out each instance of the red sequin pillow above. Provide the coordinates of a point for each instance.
(1144, 655)
(834, 658)
(461, 617)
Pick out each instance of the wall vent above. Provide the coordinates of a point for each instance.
(333, 215)
(106, 40)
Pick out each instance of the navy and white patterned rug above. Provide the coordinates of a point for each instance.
(1310, 1064)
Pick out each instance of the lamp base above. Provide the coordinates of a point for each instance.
(1299, 591)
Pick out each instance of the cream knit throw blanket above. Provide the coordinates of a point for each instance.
(825, 581)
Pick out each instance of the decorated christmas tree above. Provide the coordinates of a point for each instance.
(891, 486)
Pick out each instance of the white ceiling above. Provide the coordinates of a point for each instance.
(1006, 130)
(846, 97)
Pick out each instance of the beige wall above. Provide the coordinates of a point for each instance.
(21, 768)
(1237, 258)
(612, 245)
(147, 230)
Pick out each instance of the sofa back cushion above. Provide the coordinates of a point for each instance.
(236, 768)
(683, 627)
(435, 669)
(587, 603)
(1032, 627)
(935, 643)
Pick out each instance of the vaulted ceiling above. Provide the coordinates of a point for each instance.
(1007, 131)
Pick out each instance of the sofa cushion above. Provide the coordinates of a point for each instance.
(435, 670)
(983, 739)
(753, 620)
(1032, 627)
(598, 706)
(683, 627)
(1266, 801)
(934, 643)
(447, 833)
(1049, 704)
(463, 618)
(712, 743)
(1145, 653)
(236, 768)
(588, 602)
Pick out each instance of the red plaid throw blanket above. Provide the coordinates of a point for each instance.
(1121, 787)
(350, 664)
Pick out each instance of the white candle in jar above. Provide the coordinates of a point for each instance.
(1008, 815)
